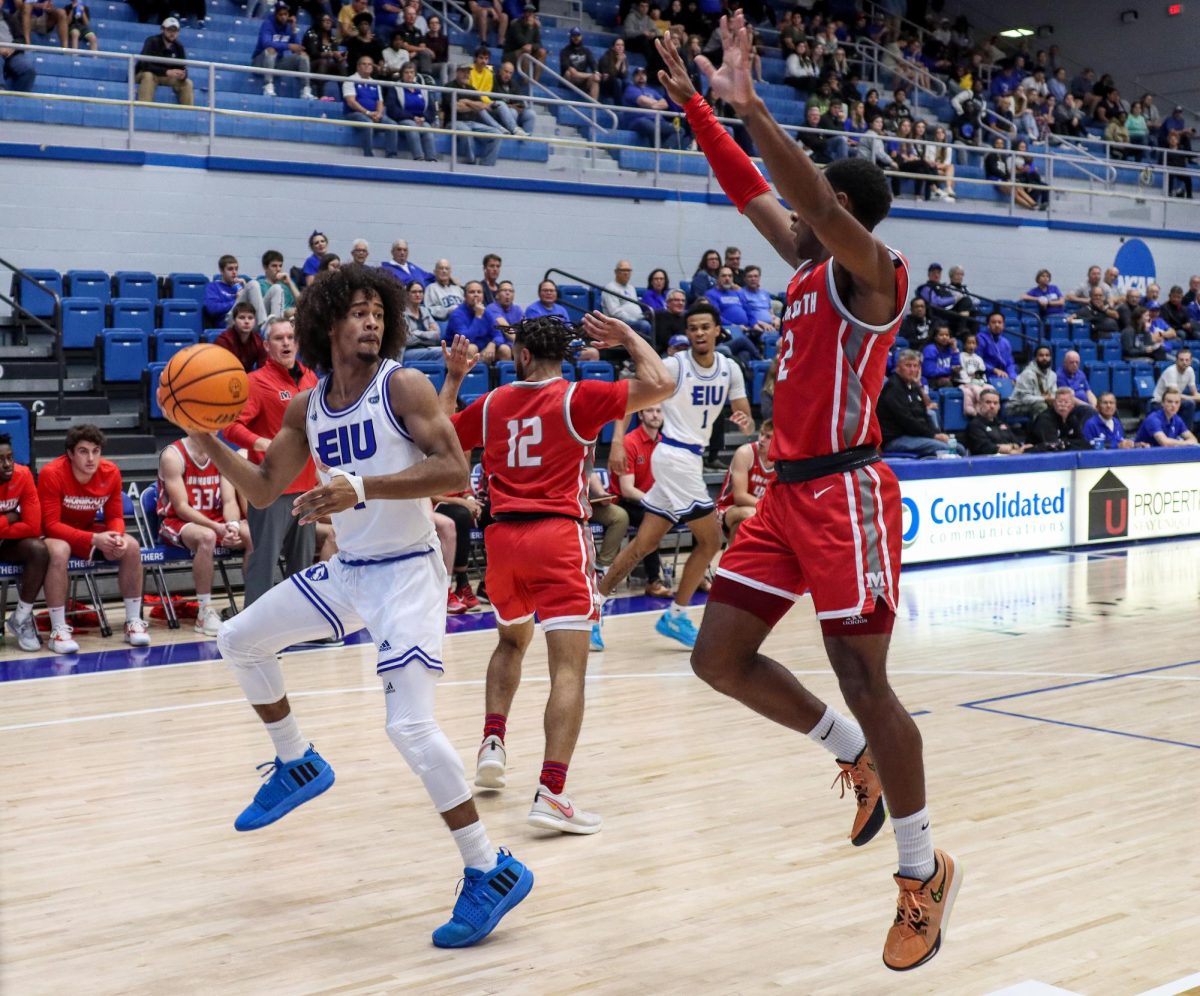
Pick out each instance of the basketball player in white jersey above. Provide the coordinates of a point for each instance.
(383, 447)
(705, 381)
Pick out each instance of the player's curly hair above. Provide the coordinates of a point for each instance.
(547, 337)
(326, 301)
(865, 185)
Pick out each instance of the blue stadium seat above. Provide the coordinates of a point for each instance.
(155, 370)
(770, 343)
(596, 370)
(758, 370)
(34, 300)
(133, 313)
(575, 299)
(1056, 326)
(507, 371)
(135, 283)
(180, 313)
(1003, 385)
(1143, 381)
(124, 355)
(1061, 347)
(1099, 376)
(168, 342)
(1087, 350)
(89, 283)
(568, 370)
(210, 335)
(1110, 349)
(1122, 379)
(82, 320)
(435, 370)
(14, 419)
(474, 385)
(953, 419)
(189, 285)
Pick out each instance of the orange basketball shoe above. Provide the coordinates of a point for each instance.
(922, 914)
(859, 776)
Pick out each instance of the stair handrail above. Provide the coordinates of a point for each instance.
(55, 330)
(647, 310)
(525, 64)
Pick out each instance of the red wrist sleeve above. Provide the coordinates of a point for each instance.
(737, 175)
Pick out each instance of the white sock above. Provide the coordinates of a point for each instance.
(24, 611)
(203, 601)
(914, 841)
(676, 610)
(840, 736)
(476, 849)
(58, 617)
(285, 734)
(133, 608)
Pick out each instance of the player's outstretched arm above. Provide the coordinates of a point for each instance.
(738, 176)
(652, 383)
(797, 179)
(460, 357)
(283, 460)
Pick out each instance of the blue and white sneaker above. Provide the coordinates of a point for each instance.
(483, 901)
(678, 627)
(596, 645)
(288, 786)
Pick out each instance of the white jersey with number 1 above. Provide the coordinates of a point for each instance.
(700, 395)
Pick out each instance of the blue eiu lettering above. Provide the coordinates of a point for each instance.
(708, 394)
(346, 443)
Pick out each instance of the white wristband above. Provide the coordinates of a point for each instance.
(356, 482)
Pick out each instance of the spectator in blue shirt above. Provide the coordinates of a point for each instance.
(1070, 375)
(995, 349)
(1045, 295)
(547, 303)
(643, 99)
(727, 298)
(229, 289)
(363, 101)
(940, 361)
(318, 246)
(1164, 427)
(1106, 427)
(503, 313)
(469, 319)
(758, 301)
(279, 47)
(408, 104)
(657, 286)
(400, 268)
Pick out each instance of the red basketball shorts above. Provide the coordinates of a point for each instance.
(543, 566)
(170, 530)
(836, 537)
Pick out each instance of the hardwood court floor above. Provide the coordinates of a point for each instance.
(723, 865)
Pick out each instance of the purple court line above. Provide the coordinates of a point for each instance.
(981, 705)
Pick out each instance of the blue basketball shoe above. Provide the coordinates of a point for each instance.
(596, 644)
(485, 898)
(288, 786)
(678, 627)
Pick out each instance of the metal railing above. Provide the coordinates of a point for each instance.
(526, 65)
(646, 309)
(25, 315)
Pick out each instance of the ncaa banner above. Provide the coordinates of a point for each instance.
(949, 518)
(1135, 502)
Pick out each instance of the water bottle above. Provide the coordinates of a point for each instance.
(1098, 443)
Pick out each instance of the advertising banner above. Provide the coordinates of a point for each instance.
(949, 518)
(1137, 502)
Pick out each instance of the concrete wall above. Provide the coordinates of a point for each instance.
(159, 218)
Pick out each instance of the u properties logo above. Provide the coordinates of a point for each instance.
(1108, 508)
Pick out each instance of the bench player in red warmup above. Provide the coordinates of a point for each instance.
(830, 525)
(538, 435)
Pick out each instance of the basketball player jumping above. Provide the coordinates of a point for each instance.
(538, 435)
(830, 525)
(383, 446)
(703, 381)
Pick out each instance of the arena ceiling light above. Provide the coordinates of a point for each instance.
(1017, 33)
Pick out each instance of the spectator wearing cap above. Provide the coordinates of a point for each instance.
(524, 37)
(1169, 336)
(468, 113)
(642, 99)
(939, 298)
(281, 47)
(1175, 122)
(577, 64)
(150, 75)
(363, 101)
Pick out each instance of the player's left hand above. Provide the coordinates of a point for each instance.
(741, 420)
(604, 330)
(460, 356)
(325, 499)
(733, 82)
(674, 78)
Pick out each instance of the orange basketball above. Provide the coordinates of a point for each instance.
(203, 388)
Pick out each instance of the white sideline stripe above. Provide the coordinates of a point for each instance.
(1031, 987)
(1178, 986)
(479, 682)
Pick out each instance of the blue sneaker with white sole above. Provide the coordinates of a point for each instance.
(678, 627)
(288, 786)
(485, 898)
(596, 644)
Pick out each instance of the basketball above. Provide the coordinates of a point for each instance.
(203, 388)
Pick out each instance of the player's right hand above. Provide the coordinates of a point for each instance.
(604, 330)
(674, 78)
(460, 356)
(733, 82)
(618, 462)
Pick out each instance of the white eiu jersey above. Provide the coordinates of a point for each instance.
(700, 394)
(369, 440)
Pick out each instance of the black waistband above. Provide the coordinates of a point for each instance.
(533, 516)
(795, 471)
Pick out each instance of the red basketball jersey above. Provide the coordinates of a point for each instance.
(759, 479)
(202, 483)
(831, 368)
(537, 439)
